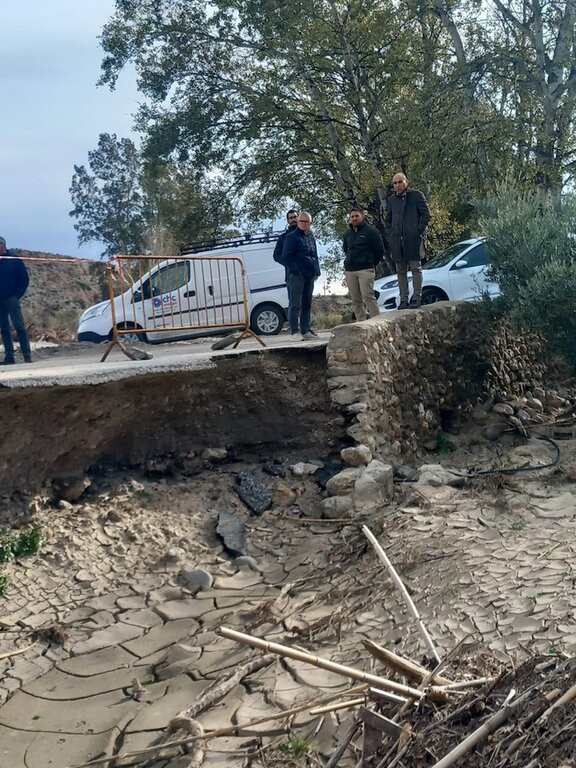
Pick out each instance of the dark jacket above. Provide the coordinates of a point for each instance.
(407, 219)
(279, 247)
(363, 248)
(300, 255)
(13, 277)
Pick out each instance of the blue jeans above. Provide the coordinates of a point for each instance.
(300, 290)
(10, 311)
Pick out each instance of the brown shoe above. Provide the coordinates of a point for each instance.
(402, 305)
(415, 303)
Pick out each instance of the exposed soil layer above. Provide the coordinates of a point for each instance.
(62, 431)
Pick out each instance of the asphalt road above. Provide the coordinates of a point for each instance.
(80, 363)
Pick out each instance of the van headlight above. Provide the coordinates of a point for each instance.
(96, 311)
(390, 284)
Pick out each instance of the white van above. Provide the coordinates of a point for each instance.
(190, 291)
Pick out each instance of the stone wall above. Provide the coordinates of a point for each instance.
(401, 378)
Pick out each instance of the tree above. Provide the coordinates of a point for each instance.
(136, 206)
(532, 246)
(525, 52)
(109, 203)
(322, 105)
(293, 105)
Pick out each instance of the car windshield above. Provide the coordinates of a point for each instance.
(446, 257)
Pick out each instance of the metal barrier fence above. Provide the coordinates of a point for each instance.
(158, 298)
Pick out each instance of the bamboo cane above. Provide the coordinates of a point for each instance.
(569, 696)
(335, 707)
(400, 584)
(17, 652)
(216, 733)
(436, 694)
(401, 664)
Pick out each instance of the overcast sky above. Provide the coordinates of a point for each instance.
(52, 115)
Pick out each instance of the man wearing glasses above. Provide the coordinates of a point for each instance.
(407, 219)
(300, 256)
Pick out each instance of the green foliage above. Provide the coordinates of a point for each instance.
(297, 747)
(109, 203)
(532, 246)
(17, 544)
(443, 443)
(323, 103)
(4, 583)
(330, 319)
(135, 204)
(321, 106)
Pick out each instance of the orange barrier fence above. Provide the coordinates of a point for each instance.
(158, 298)
(153, 298)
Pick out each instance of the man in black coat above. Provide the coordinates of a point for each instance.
(291, 221)
(364, 249)
(291, 224)
(407, 219)
(13, 284)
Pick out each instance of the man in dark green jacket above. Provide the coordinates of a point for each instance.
(364, 249)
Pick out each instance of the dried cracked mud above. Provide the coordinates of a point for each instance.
(121, 647)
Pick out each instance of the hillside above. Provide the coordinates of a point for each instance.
(59, 292)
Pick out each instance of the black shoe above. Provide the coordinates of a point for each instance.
(403, 305)
(27, 359)
(415, 303)
(8, 362)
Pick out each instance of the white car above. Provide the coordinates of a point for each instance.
(458, 274)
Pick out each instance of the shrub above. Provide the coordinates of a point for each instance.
(330, 319)
(16, 544)
(532, 246)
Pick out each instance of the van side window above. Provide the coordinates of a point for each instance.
(170, 278)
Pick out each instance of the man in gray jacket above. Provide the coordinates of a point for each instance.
(407, 219)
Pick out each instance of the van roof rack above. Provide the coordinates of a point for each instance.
(233, 242)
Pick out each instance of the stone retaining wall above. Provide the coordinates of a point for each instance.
(401, 378)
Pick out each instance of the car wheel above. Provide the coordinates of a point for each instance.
(130, 338)
(267, 320)
(432, 295)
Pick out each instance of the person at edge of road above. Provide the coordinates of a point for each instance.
(407, 219)
(14, 281)
(300, 257)
(363, 249)
(291, 225)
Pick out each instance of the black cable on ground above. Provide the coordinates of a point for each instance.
(515, 470)
(470, 473)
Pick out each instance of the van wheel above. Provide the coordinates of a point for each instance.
(130, 338)
(267, 319)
